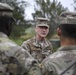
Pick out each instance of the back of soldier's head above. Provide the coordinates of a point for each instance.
(6, 12)
(6, 16)
(68, 24)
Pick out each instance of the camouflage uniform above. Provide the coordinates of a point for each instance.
(63, 61)
(39, 49)
(14, 60)
(58, 62)
(35, 48)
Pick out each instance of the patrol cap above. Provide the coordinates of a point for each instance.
(68, 18)
(6, 10)
(42, 22)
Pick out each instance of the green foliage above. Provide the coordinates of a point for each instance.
(17, 40)
(18, 30)
(28, 33)
(21, 33)
(74, 4)
(50, 10)
(19, 9)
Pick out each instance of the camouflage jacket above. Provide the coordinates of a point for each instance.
(38, 51)
(14, 60)
(62, 62)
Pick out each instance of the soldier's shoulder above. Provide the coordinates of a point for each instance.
(31, 40)
(54, 56)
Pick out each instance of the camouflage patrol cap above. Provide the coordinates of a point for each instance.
(5, 10)
(68, 18)
(42, 22)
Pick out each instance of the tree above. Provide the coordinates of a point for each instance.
(19, 12)
(74, 4)
(19, 9)
(50, 10)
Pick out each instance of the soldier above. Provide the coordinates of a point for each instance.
(38, 46)
(63, 61)
(14, 60)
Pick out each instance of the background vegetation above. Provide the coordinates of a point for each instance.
(43, 8)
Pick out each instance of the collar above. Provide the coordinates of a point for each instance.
(66, 48)
(37, 43)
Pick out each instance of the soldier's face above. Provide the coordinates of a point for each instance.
(42, 31)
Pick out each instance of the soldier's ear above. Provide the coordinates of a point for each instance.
(59, 31)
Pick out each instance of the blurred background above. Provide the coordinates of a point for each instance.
(26, 11)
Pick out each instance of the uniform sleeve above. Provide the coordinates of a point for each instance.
(28, 65)
(46, 70)
(48, 67)
(25, 45)
(34, 69)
